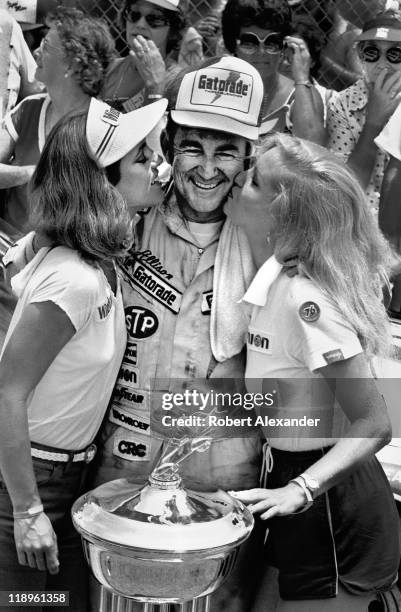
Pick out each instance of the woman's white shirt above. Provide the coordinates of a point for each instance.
(67, 406)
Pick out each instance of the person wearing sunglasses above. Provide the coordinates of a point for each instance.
(154, 31)
(358, 114)
(258, 32)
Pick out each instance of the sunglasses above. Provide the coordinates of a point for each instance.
(154, 20)
(249, 43)
(371, 54)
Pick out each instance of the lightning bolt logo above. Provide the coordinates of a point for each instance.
(231, 80)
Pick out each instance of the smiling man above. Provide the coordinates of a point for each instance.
(170, 283)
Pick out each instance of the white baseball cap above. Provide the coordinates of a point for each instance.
(225, 96)
(111, 134)
(171, 5)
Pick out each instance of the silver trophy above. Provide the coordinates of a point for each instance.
(160, 544)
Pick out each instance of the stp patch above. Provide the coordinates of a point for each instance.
(309, 312)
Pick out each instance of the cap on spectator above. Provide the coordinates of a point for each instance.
(111, 134)
(171, 5)
(225, 96)
(386, 26)
(30, 14)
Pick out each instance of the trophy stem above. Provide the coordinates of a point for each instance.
(111, 602)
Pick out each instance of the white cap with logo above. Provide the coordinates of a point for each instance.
(111, 134)
(225, 96)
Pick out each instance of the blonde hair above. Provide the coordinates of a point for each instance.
(321, 216)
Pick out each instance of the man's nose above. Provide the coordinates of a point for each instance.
(208, 167)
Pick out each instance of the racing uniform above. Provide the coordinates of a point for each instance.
(167, 288)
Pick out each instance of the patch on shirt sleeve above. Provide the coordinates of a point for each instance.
(309, 312)
(259, 341)
(333, 356)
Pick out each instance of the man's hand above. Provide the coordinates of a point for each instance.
(149, 63)
(273, 502)
(36, 543)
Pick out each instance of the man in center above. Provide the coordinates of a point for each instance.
(186, 273)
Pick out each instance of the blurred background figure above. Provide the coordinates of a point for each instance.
(357, 114)
(154, 32)
(260, 32)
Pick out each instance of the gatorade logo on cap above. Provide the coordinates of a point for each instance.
(223, 88)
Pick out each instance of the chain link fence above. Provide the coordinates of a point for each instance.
(329, 27)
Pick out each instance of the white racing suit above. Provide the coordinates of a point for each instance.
(167, 289)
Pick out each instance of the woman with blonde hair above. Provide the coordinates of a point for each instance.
(331, 516)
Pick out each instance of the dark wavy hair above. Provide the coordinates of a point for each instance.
(176, 20)
(272, 15)
(87, 44)
(72, 201)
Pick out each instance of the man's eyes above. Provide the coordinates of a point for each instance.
(193, 152)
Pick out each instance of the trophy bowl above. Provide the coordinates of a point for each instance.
(160, 543)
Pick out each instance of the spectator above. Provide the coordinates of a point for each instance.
(333, 529)
(154, 32)
(357, 114)
(257, 31)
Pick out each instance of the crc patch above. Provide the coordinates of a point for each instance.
(131, 353)
(130, 446)
(259, 341)
(207, 297)
(128, 375)
(333, 356)
(130, 420)
(134, 399)
(146, 279)
(309, 312)
(141, 322)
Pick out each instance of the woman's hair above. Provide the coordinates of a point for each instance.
(72, 201)
(314, 38)
(321, 216)
(176, 20)
(87, 44)
(272, 15)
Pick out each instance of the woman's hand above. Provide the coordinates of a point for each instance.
(149, 63)
(384, 97)
(208, 26)
(36, 543)
(298, 57)
(273, 502)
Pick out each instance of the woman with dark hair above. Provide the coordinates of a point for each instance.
(258, 31)
(59, 362)
(154, 31)
(332, 519)
(71, 62)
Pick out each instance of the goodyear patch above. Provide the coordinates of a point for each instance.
(133, 399)
(309, 312)
(333, 356)
(128, 375)
(141, 322)
(146, 279)
(206, 306)
(259, 341)
(133, 421)
(130, 446)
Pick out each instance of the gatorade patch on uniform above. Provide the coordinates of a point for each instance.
(259, 341)
(146, 279)
(333, 356)
(131, 447)
(207, 297)
(134, 421)
(309, 312)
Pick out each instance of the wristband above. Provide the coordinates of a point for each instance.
(305, 83)
(27, 514)
(309, 500)
(154, 96)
